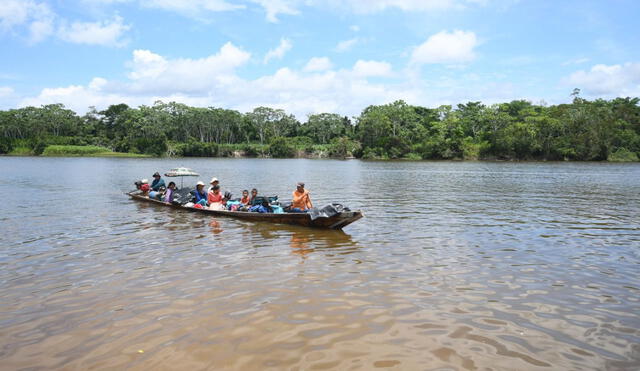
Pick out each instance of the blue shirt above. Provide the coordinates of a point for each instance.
(200, 196)
(157, 183)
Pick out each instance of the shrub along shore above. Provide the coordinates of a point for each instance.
(583, 130)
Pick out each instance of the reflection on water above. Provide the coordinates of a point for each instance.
(215, 226)
(460, 266)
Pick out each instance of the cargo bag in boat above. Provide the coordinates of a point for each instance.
(182, 196)
(326, 211)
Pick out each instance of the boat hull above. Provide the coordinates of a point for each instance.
(338, 221)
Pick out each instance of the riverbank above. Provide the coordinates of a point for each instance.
(231, 152)
(74, 151)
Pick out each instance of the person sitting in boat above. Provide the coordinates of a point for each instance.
(242, 204)
(200, 196)
(144, 187)
(214, 182)
(245, 200)
(254, 200)
(301, 199)
(157, 195)
(158, 182)
(216, 199)
(262, 207)
(168, 194)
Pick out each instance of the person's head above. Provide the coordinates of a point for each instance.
(215, 188)
(145, 181)
(199, 186)
(254, 192)
(300, 186)
(171, 185)
(245, 193)
(214, 181)
(156, 175)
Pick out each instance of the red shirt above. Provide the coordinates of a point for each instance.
(145, 187)
(212, 198)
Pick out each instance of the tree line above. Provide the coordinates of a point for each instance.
(582, 130)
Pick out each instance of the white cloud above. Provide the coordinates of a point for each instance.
(198, 8)
(107, 33)
(40, 30)
(8, 97)
(153, 77)
(5, 91)
(212, 81)
(301, 93)
(39, 22)
(275, 7)
(151, 72)
(318, 86)
(346, 45)
(447, 48)
(374, 6)
(193, 8)
(278, 52)
(575, 61)
(614, 80)
(35, 18)
(317, 64)
(371, 68)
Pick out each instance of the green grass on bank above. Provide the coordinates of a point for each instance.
(21, 151)
(623, 155)
(67, 150)
(84, 151)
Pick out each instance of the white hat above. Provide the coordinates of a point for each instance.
(214, 179)
(200, 183)
(145, 181)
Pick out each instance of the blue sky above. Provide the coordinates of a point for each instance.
(312, 56)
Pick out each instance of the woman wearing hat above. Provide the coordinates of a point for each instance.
(214, 182)
(301, 199)
(200, 197)
(157, 182)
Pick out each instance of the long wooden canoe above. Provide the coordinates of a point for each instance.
(338, 221)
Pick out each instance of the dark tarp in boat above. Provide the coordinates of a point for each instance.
(327, 211)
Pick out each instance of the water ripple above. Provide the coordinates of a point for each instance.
(455, 266)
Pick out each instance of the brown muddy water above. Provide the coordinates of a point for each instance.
(456, 266)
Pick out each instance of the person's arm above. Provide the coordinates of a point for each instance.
(310, 205)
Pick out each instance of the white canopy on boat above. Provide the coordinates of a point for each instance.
(181, 172)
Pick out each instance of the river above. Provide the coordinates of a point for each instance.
(456, 266)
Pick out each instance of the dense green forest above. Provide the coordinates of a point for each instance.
(519, 130)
